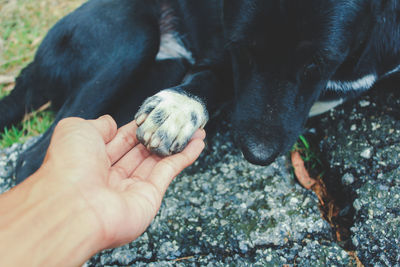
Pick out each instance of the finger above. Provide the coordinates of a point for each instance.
(199, 134)
(124, 141)
(165, 171)
(106, 126)
(131, 160)
(146, 167)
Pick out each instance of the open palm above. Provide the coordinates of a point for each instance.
(121, 182)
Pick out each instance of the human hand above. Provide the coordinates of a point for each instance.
(97, 188)
(121, 183)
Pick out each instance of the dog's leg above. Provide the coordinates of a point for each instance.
(25, 97)
(162, 74)
(168, 119)
(90, 102)
(95, 56)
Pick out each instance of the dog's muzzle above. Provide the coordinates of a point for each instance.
(259, 152)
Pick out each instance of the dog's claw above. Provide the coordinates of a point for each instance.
(140, 119)
(146, 137)
(155, 142)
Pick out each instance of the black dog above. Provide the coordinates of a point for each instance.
(279, 61)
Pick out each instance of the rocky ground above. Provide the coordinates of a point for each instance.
(362, 146)
(224, 211)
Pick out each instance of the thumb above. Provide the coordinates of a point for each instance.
(106, 127)
(166, 170)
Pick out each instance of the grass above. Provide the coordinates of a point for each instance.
(3, 92)
(23, 24)
(32, 126)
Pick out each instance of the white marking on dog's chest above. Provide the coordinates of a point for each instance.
(363, 83)
(172, 47)
(320, 107)
(396, 69)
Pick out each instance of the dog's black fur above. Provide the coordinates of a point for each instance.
(274, 59)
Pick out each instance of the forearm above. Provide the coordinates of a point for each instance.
(41, 225)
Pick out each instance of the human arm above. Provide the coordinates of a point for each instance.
(97, 188)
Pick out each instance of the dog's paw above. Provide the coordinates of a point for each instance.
(168, 120)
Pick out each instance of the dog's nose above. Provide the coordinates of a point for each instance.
(260, 153)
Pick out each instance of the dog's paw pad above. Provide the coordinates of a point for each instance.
(168, 120)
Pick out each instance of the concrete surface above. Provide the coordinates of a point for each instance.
(224, 211)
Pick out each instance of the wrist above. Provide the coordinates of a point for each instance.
(45, 223)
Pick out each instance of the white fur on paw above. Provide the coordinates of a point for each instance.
(168, 120)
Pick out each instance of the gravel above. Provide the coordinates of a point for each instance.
(224, 211)
(362, 142)
(8, 158)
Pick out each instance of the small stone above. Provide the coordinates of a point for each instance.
(355, 241)
(218, 205)
(367, 153)
(223, 222)
(357, 204)
(370, 213)
(243, 246)
(364, 103)
(347, 179)
(375, 126)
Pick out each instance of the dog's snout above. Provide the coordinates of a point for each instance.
(259, 153)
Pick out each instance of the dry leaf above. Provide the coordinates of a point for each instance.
(5, 79)
(329, 209)
(301, 172)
